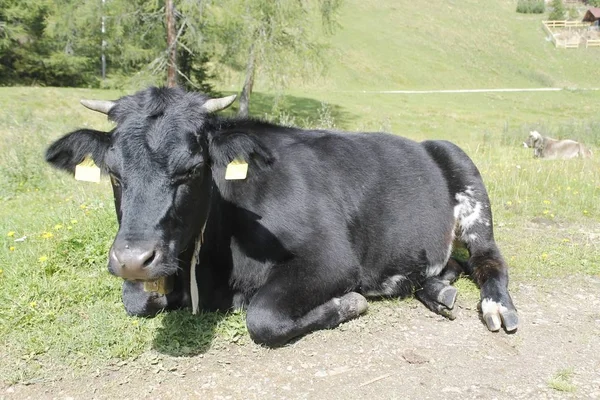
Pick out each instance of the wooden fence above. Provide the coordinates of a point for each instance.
(570, 34)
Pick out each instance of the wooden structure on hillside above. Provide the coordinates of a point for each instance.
(572, 34)
(592, 15)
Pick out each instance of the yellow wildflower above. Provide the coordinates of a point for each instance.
(47, 235)
(83, 206)
(565, 240)
(11, 248)
(546, 212)
(544, 256)
(585, 212)
(10, 234)
(43, 259)
(546, 201)
(58, 227)
(33, 304)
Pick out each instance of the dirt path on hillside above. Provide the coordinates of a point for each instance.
(396, 351)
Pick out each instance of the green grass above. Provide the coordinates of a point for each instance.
(562, 381)
(61, 311)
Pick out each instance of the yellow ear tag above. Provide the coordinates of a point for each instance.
(87, 171)
(236, 170)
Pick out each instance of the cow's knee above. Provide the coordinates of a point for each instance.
(268, 327)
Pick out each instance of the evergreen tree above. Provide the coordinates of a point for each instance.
(279, 39)
(558, 11)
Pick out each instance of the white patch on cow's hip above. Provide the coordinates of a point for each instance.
(468, 212)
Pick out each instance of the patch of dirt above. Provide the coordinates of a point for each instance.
(396, 351)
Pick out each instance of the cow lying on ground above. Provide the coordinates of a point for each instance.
(545, 147)
(318, 220)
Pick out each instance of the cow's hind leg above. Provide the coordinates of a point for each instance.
(437, 293)
(293, 303)
(489, 268)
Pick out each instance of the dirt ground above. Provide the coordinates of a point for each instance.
(395, 351)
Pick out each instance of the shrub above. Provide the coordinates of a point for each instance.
(531, 6)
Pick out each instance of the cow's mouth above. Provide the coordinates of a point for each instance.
(163, 285)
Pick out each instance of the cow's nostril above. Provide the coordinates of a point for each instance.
(149, 259)
(133, 262)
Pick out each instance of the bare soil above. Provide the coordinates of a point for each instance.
(398, 350)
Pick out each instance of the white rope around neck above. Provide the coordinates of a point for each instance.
(193, 279)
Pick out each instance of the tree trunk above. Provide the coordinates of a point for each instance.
(248, 84)
(171, 44)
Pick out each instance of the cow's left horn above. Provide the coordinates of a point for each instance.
(219, 104)
(103, 106)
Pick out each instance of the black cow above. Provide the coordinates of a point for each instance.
(321, 220)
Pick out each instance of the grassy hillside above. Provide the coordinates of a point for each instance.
(439, 44)
(60, 311)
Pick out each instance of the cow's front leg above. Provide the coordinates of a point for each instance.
(294, 302)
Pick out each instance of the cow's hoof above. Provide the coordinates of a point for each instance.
(495, 315)
(352, 305)
(447, 297)
(492, 321)
(510, 319)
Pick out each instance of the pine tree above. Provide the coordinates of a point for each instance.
(558, 11)
(277, 39)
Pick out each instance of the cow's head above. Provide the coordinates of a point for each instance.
(158, 160)
(533, 141)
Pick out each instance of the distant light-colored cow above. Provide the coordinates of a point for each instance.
(546, 147)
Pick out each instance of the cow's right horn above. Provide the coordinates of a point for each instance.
(103, 106)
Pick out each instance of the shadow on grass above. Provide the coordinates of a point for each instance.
(185, 334)
(302, 111)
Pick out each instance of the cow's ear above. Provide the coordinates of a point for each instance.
(72, 148)
(225, 147)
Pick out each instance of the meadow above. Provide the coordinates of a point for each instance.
(60, 310)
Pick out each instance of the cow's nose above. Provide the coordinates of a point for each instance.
(133, 261)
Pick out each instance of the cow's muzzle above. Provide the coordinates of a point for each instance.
(135, 261)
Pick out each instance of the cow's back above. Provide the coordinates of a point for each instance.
(370, 202)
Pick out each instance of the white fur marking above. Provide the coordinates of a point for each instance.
(390, 284)
(468, 212)
(388, 287)
(488, 306)
(434, 270)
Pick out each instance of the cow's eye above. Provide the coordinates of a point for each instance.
(194, 171)
(188, 175)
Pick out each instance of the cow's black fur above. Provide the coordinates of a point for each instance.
(321, 217)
